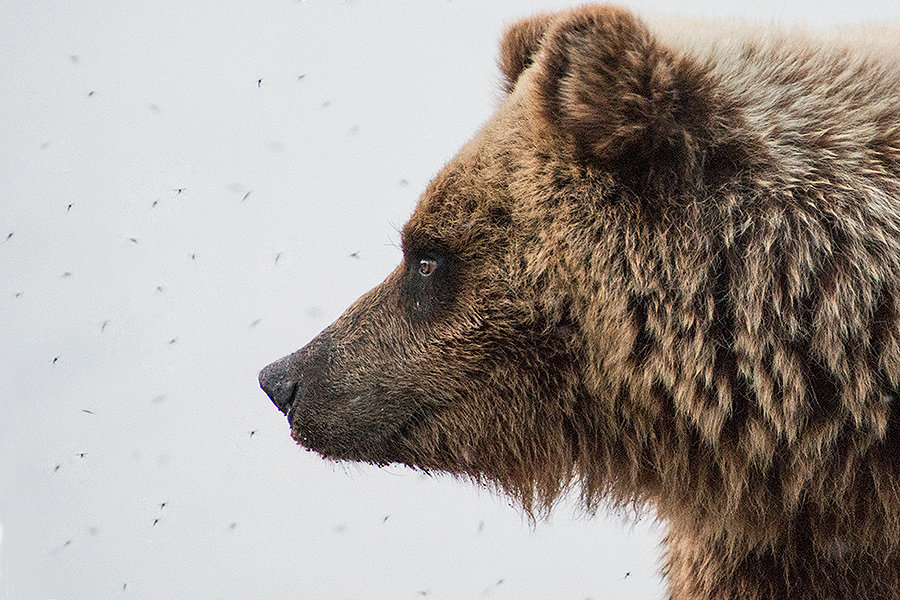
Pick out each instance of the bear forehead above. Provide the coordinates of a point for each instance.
(467, 195)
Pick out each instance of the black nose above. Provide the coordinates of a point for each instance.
(280, 387)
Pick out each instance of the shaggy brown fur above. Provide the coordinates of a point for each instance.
(667, 271)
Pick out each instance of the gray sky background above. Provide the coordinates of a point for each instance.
(299, 133)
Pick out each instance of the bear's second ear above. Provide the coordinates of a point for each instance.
(629, 104)
(521, 41)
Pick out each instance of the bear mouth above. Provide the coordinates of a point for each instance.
(376, 443)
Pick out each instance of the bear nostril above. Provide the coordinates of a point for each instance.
(279, 389)
(283, 394)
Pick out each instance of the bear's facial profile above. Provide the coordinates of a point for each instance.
(667, 270)
(427, 368)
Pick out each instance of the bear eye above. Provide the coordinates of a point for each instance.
(427, 266)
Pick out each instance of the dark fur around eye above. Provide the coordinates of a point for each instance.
(431, 280)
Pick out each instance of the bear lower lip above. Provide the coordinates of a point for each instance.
(379, 450)
(303, 437)
(302, 433)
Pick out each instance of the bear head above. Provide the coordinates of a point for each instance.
(649, 275)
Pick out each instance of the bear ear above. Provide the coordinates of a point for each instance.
(520, 43)
(630, 104)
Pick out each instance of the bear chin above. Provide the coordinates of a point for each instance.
(379, 446)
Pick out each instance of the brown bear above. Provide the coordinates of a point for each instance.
(666, 272)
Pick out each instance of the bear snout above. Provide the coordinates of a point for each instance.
(278, 382)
